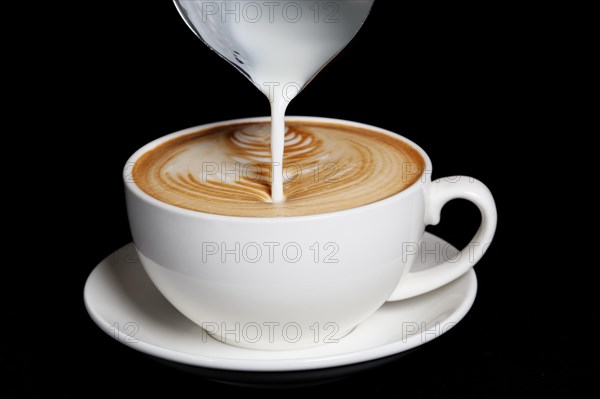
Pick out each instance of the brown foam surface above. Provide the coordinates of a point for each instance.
(327, 167)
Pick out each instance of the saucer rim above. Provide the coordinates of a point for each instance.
(283, 365)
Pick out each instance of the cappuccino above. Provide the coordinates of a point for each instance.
(327, 167)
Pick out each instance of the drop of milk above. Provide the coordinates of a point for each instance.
(279, 45)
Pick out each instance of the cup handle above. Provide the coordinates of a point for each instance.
(437, 194)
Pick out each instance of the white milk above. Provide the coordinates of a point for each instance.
(279, 45)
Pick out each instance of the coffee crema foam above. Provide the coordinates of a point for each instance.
(226, 170)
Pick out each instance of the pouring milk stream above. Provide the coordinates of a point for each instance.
(279, 45)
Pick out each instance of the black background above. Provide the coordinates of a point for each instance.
(469, 85)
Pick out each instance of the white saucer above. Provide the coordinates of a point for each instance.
(124, 303)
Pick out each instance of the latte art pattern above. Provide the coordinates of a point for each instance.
(327, 167)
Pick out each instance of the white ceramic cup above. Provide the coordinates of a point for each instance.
(295, 282)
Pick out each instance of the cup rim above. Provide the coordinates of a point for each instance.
(134, 189)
